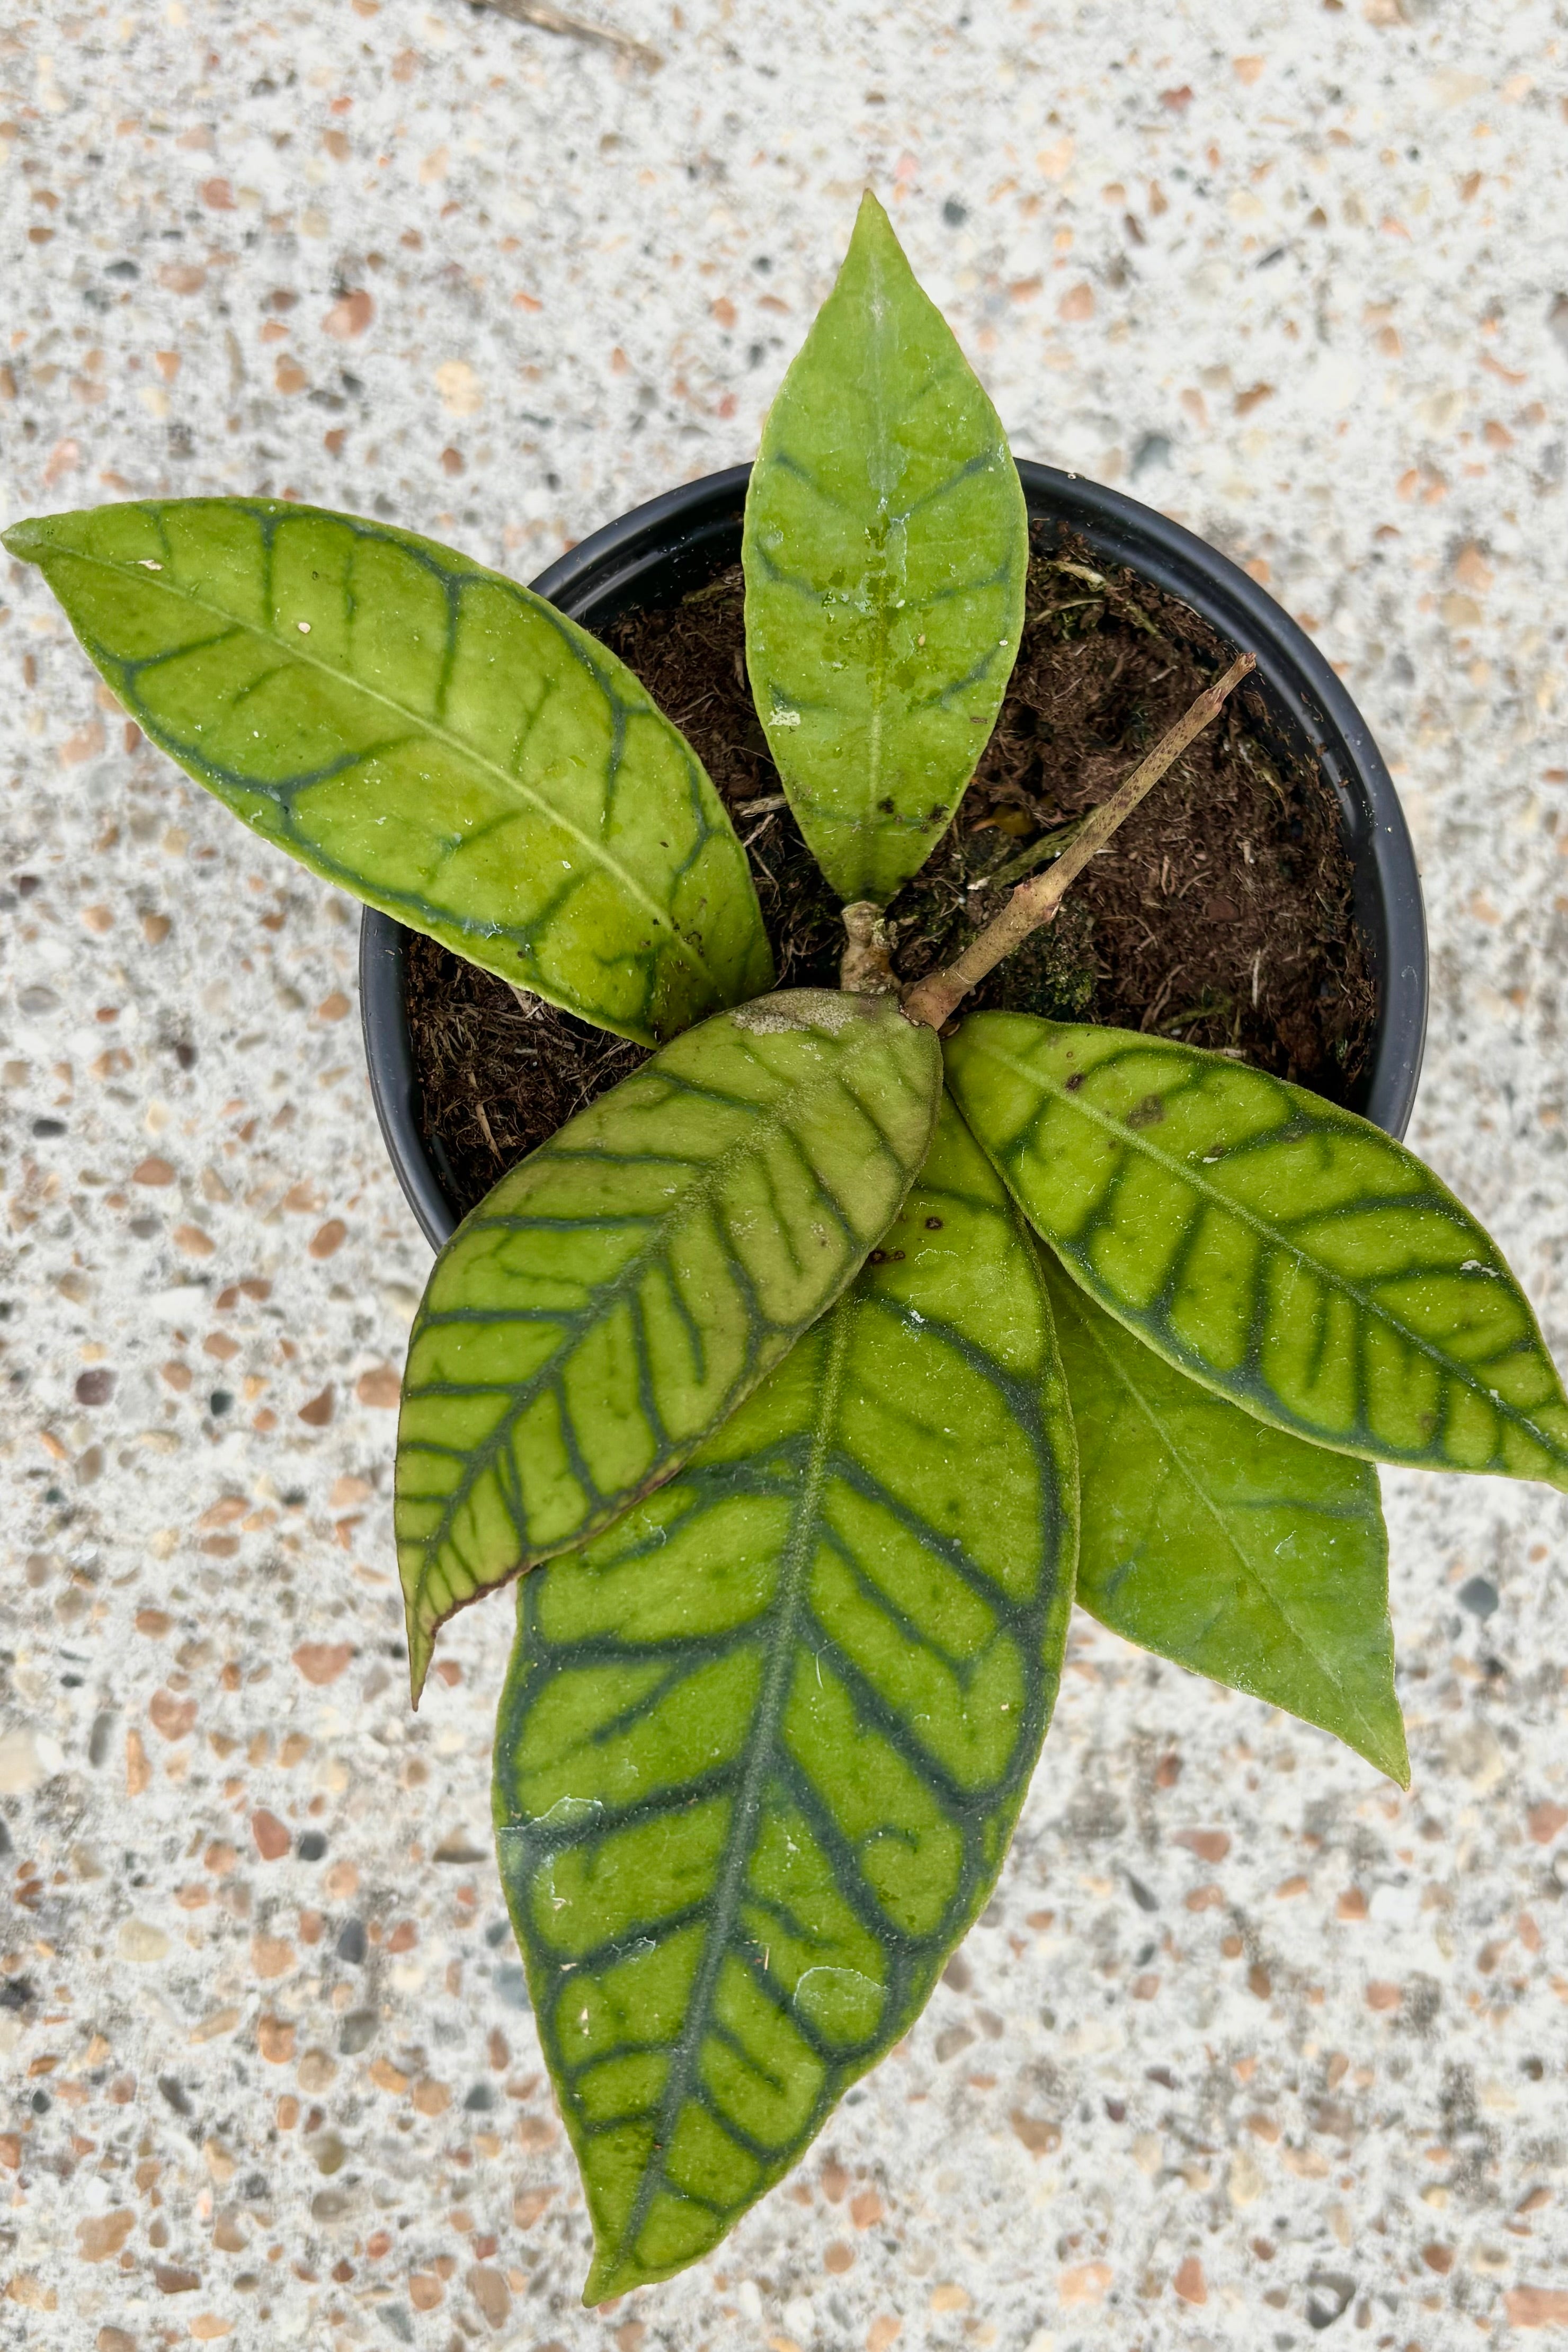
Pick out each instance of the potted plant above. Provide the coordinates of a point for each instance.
(814, 1365)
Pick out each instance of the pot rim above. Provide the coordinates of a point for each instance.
(678, 527)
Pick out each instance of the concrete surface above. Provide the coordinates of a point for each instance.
(1248, 2040)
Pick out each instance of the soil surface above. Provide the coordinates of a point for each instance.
(1220, 913)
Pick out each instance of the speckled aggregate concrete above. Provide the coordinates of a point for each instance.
(1250, 2048)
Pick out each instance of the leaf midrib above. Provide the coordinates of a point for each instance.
(432, 727)
(877, 668)
(797, 1552)
(1132, 1139)
(1195, 1483)
(770, 1120)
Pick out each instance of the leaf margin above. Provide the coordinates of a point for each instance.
(1056, 1614)
(1078, 1314)
(1100, 1043)
(39, 540)
(815, 1012)
(878, 856)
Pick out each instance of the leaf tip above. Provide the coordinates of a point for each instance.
(1385, 1750)
(605, 2281)
(873, 223)
(421, 1649)
(25, 541)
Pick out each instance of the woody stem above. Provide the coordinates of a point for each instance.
(935, 999)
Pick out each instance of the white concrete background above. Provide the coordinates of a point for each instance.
(1292, 269)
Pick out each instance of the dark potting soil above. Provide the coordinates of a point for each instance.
(1219, 913)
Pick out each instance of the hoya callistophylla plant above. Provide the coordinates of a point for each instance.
(817, 1359)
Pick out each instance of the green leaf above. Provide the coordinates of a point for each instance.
(1232, 1548)
(618, 1293)
(763, 1746)
(427, 735)
(1282, 1251)
(885, 547)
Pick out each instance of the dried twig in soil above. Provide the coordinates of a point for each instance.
(935, 999)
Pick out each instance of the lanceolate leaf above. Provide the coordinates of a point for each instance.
(1282, 1251)
(429, 736)
(762, 1745)
(885, 546)
(620, 1291)
(1230, 1547)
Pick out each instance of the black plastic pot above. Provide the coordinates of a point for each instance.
(678, 542)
